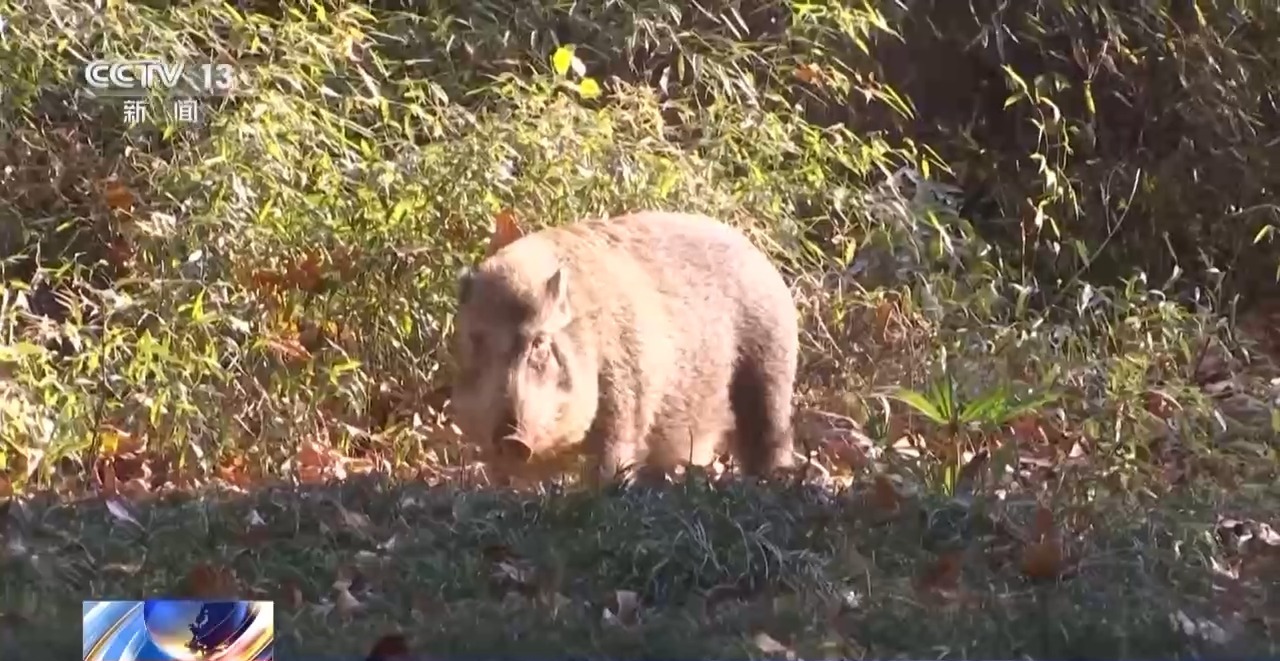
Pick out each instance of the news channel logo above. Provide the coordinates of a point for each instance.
(138, 78)
(178, 630)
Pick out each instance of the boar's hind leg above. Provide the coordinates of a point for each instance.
(760, 394)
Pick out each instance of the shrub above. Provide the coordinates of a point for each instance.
(278, 278)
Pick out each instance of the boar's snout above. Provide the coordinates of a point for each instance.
(508, 442)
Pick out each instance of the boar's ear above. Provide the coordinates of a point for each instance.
(556, 299)
(465, 277)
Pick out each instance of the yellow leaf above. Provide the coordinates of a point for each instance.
(113, 441)
(589, 88)
(109, 442)
(562, 60)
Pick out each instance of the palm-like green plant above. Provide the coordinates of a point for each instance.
(942, 404)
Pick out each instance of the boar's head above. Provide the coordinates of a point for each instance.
(520, 386)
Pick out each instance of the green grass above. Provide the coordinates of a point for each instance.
(465, 572)
(1015, 290)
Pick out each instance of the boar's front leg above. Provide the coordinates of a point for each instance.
(611, 445)
(613, 441)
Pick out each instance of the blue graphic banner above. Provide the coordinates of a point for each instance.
(178, 630)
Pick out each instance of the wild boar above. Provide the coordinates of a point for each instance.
(647, 339)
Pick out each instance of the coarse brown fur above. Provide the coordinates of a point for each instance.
(654, 337)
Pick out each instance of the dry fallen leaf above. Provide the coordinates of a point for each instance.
(943, 576)
(624, 608)
(1027, 428)
(557, 602)
(343, 259)
(1043, 527)
(117, 196)
(291, 595)
(14, 548)
(1161, 404)
(107, 481)
(392, 543)
(391, 647)
(885, 497)
(718, 595)
(255, 536)
(13, 619)
(809, 73)
(120, 253)
(505, 230)
(424, 606)
(306, 274)
(344, 602)
(136, 489)
(266, 280)
(322, 609)
(353, 520)
(1043, 557)
(844, 451)
(288, 348)
(886, 311)
(769, 645)
(368, 561)
(313, 453)
(1198, 628)
(206, 581)
(971, 474)
(120, 511)
(357, 465)
(498, 553)
(852, 559)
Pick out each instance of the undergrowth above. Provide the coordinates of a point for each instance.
(1018, 290)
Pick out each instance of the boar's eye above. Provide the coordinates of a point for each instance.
(539, 350)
